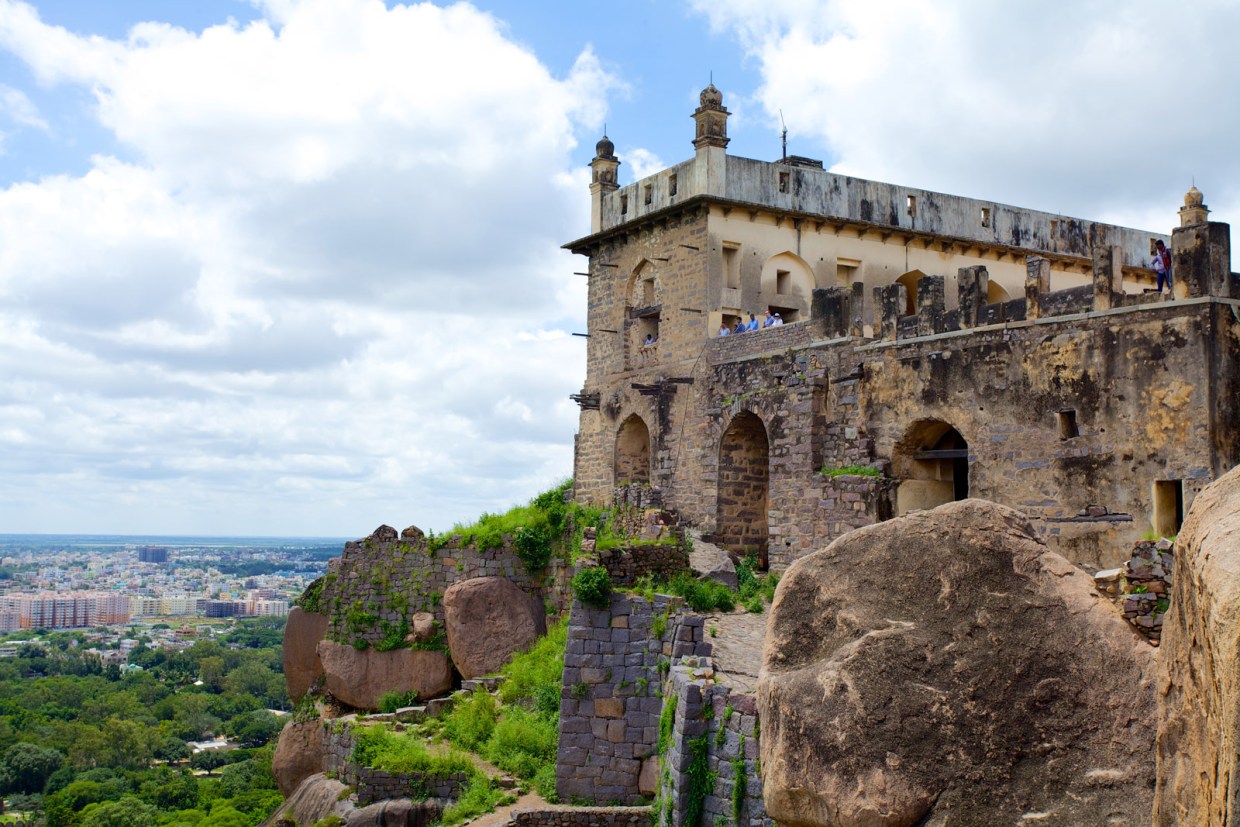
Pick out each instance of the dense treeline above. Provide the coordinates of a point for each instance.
(90, 746)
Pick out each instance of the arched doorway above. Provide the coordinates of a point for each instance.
(910, 280)
(932, 464)
(744, 486)
(632, 451)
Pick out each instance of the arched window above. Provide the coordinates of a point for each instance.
(632, 451)
(643, 309)
(996, 294)
(787, 286)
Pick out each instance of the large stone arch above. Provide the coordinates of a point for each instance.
(910, 280)
(787, 286)
(932, 464)
(744, 486)
(632, 456)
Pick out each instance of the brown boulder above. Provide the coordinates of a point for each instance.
(421, 627)
(298, 755)
(302, 666)
(315, 798)
(945, 668)
(359, 678)
(488, 619)
(1199, 667)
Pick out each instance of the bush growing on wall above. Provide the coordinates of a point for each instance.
(592, 586)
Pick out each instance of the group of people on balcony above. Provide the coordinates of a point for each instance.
(771, 320)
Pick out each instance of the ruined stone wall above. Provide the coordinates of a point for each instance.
(374, 587)
(380, 785)
(718, 729)
(611, 699)
(629, 563)
(580, 817)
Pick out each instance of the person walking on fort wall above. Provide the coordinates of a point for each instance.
(723, 329)
(753, 323)
(740, 326)
(769, 321)
(1162, 265)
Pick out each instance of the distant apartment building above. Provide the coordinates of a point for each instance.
(269, 608)
(152, 554)
(226, 608)
(144, 606)
(68, 609)
(178, 604)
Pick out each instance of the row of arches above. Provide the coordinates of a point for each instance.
(994, 293)
(931, 463)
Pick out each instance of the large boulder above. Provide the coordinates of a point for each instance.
(488, 619)
(1199, 667)
(945, 668)
(302, 667)
(359, 677)
(298, 755)
(315, 798)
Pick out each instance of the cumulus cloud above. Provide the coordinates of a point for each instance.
(320, 290)
(1082, 108)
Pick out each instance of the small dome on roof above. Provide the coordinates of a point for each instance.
(711, 96)
(605, 148)
(1193, 198)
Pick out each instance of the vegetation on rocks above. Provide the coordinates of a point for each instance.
(592, 586)
(754, 589)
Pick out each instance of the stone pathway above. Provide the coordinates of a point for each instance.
(737, 647)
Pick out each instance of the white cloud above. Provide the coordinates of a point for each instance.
(16, 107)
(331, 247)
(1083, 108)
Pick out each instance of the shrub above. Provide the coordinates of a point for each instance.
(392, 701)
(592, 586)
(480, 795)
(472, 721)
(378, 748)
(522, 742)
(533, 678)
(534, 547)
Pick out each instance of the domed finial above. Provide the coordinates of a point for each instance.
(711, 96)
(605, 148)
(1194, 210)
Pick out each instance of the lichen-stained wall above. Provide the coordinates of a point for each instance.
(1150, 390)
(1137, 381)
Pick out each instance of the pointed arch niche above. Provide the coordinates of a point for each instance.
(787, 286)
(744, 486)
(932, 464)
(632, 462)
(643, 306)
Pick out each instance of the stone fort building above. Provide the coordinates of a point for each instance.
(933, 347)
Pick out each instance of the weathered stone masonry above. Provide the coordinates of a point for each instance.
(957, 347)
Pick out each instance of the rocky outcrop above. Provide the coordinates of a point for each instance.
(315, 798)
(302, 666)
(488, 619)
(318, 797)
(946, 668)
(359, 677)
(298, 755)
(1199, 668)
(712, 563)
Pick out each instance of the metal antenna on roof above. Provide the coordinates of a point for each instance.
(783, 134)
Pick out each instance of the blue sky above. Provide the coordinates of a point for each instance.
(294, 266)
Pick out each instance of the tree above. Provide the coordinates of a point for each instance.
(26, 767)
(128, 812)
(255, 728)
